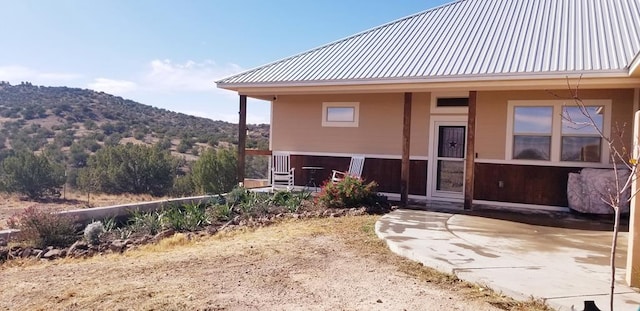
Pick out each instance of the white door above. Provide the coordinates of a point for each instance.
(447, 160)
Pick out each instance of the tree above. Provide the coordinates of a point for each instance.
(215, 171)
(31, 175)
(129, 169)
(624, 164)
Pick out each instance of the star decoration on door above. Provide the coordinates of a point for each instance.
(453, 144)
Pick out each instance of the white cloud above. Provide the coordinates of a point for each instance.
(111, 86)
(165, 75)
(16, 74)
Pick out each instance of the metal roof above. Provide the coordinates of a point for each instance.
(472, 38)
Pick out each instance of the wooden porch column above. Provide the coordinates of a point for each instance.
(470, 158)
(406, 142)
(242, 137)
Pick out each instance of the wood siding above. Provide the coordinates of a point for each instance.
(528, 184)
(386, 172)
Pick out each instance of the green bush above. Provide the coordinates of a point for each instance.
(215, 171)
(349, 192)
(31, 175)
(43, 227)
(129, 169)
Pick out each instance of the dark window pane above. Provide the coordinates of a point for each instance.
(451, 141)
(581, 149)
(531, 147)
(453, 102)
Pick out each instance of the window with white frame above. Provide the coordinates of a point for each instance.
(557, 131)
(340, 114)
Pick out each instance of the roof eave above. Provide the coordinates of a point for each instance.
(441, 79)
(634, 68)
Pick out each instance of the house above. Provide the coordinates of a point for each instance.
(462, 102)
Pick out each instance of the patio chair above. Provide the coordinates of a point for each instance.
(355, 169)
(281, 171)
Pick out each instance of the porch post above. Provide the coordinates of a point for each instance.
(406, 142)
(242, 137)
(632, 274)
(471, 152)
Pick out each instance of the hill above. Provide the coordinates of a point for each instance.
(76, 121)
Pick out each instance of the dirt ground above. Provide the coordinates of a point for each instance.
(319, 264)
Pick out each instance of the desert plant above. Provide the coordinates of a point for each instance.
(186, 217)
(238, 196)
(93, 232)
(151, 222)
(44, 227)
(349, 192)
(110, 224)
(221, 212)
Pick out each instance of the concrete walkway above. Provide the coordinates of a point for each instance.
(561, 258)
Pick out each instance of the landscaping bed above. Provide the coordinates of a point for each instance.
(47, 236)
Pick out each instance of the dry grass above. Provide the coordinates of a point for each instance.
(317, 264)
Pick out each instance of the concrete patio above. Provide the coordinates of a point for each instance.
(559, 257)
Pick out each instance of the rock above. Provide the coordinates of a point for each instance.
(37, 253)
(78, 253)
(212, 230)
(163, 234)
(26, 252)
(117, 245)
(78, 245)
(379, 301)
(52, 254)
(3, 242)
(4, 253)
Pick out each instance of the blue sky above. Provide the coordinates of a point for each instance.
(169, 53)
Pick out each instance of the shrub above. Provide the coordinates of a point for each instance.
(291, 200)
(93, 232)
(187, 217)
(32, 175)
(149, 223)
(40, 226)
(349, 192)
(221, 212)
(129, 169)
(215, 171)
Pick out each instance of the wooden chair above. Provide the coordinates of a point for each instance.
(355, 169)
(282, 174)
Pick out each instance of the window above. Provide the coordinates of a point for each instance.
(580, 140)
(532, 133)
(340, 114)
(557, 131)
(450, 102)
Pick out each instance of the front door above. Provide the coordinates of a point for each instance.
(447, 166)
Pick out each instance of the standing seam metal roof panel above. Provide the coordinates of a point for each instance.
(474, 37)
